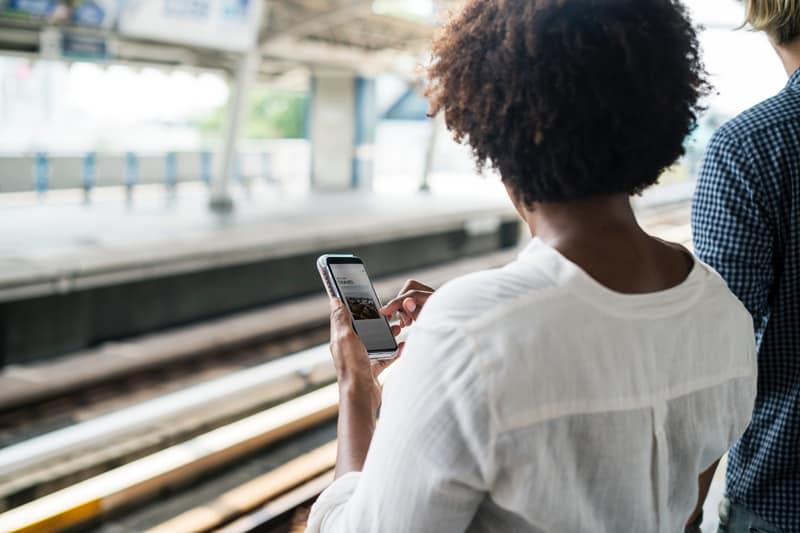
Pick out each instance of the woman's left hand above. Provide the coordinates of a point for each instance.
(357, 374)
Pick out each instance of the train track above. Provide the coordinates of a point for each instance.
(121, 418)
(241, 458)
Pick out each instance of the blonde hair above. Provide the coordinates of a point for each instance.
(780, 19)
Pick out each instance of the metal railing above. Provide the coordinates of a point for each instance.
(280, 161)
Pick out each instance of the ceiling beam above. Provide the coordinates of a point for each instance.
(318, 55)
(320, 22)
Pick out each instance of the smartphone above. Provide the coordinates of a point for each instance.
(345, 277)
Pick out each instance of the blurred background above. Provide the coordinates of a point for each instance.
(110, 80)
(169, 171)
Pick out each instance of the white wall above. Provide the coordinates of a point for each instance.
(333, 130)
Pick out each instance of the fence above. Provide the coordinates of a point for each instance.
(280, 161)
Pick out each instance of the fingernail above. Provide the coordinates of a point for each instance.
(411, 305)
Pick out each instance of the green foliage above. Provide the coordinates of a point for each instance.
(276, 114)
(212, 125)
(270, 115)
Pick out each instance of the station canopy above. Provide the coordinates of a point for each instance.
(366, 36)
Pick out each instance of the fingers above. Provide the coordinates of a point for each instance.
(413, 305)
(408, 303)
(414, 285)
(408, 286)
(404, 319)
(391, 307)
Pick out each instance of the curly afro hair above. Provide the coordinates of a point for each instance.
(569, 99)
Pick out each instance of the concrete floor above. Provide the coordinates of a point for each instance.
(61, 235)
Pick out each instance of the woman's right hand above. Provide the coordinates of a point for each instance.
(407, 304)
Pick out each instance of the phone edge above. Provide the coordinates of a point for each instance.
(333, 292)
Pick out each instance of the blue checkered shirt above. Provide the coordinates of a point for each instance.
(746, 223)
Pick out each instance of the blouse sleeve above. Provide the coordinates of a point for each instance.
(430, 461)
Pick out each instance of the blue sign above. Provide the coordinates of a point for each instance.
(76, 45)
(230, 25)
(37, 8)
(88, 13)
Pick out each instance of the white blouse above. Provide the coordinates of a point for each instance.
(531, 398)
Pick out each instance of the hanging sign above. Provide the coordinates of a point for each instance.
(229, 25)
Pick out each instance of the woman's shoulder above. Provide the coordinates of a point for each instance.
(473, 295)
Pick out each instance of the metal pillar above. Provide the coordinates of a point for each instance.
(221, 199)
(366, 118)
(430, 151)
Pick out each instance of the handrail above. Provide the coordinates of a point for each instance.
(43, 171)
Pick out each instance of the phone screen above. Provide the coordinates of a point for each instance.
(359, 296)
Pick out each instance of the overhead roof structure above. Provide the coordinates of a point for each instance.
(294, 34)
(347, 34)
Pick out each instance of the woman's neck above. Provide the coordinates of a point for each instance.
(593, 220)
(602, 236)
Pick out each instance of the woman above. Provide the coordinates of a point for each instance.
(586, 385)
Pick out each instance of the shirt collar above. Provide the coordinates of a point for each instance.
(794, 79)
(564, 273)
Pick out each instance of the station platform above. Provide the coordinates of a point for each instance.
(75, 275)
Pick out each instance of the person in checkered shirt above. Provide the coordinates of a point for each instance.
(746, 222)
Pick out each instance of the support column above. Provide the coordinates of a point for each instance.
(342, 130)
(430, 153)
(366, 118)
(221, 199)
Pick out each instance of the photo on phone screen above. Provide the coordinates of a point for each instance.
(357, 292)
